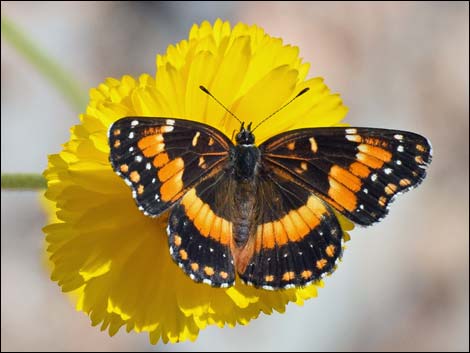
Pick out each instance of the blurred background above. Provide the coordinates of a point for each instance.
(403, 284)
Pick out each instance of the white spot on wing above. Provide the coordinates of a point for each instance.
(398, 137)
(388, 171)
(170, 122)
(400, 148)
(365, 191)
(373, 177)
(398, 162)
(134, 123)
(131, 149)
(131, 135)
(138, 159)
(148, 166)
(351, 131)
(354, 138)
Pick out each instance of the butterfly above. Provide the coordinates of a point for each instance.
(267, 212)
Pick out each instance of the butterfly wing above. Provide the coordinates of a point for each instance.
(306, 173)
(358, 171)
(298, 238)
(161, 159)
(200, 231)
(179, 163)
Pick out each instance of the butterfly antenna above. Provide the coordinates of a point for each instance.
(305, 90)
(206, 91)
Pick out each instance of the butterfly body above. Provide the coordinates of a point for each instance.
(263, 212)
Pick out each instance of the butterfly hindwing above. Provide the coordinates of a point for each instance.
(298, 238)
(161, 159)
(200, 236)
(356, 170)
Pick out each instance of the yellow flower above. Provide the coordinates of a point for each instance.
(115, 259)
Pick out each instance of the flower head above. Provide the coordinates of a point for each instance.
(115, 258)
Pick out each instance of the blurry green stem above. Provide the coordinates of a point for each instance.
(23, 181)
(46, 65)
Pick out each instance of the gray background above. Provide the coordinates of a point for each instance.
(403, 284)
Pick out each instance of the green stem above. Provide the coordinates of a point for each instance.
(44, 64)
(23, 181)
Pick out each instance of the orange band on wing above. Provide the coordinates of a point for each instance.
(280, 236)
(160, 160)
(292, 227)
(369, 161)
(342, 195)
(359, 170)
(170, 169)
(151, 145)
(376, 152)
(172, 187)
(205, 220)
(150, 140)
(349, 180)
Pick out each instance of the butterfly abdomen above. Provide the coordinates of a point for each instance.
(244, 212)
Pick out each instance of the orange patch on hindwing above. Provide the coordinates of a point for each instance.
(330, 250)
(287, 276)
(320, 264)
(306, 274)
(205, 220)
(292, 227)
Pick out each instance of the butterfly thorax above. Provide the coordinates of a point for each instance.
(245, 157)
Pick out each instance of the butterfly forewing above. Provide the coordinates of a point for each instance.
(358, 171)
(161, 159)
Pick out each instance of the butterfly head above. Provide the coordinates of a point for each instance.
(245, 136)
